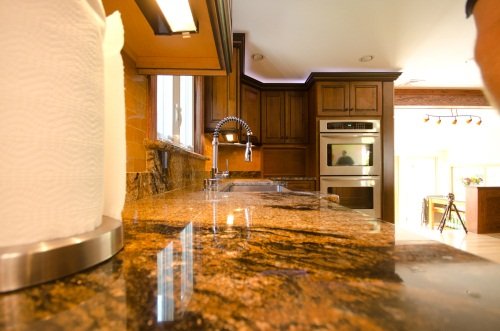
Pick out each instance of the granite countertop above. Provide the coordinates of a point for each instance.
(263, 261)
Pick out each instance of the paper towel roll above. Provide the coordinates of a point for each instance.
(52, 119)
(114, 121)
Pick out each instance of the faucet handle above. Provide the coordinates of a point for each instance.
(248, 152)
(225, 173)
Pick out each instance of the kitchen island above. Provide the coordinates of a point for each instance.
(198, 260)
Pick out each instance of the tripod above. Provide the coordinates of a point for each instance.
(447, 212)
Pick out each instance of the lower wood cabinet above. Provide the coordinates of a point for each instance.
(280, 161)
(300, 185)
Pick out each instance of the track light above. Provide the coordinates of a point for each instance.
(454, 115)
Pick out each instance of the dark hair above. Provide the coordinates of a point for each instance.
(469, 7)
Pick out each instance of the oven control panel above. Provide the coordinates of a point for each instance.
(349, 126)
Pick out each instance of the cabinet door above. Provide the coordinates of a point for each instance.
(278, 161)
(273, 108)
(365, 99)
(222, 96)
(332, 98)
(296, 124)
(301, 185)
(250, 110)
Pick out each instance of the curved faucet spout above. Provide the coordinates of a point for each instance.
(215, 144)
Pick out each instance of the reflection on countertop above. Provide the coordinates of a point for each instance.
(263, 261)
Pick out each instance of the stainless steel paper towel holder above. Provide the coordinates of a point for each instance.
(31, 264)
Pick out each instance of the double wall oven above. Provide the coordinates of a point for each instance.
(351, 162)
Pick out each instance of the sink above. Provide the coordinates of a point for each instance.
(254, 187)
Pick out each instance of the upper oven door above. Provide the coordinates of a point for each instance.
(350, 154)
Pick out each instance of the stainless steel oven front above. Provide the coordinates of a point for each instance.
(349, 147)
(362, 193)
(351, 163)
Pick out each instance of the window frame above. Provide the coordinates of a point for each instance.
(198, 119)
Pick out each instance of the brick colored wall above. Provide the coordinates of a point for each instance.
(234, 154)
(136, 102)
(145, 174)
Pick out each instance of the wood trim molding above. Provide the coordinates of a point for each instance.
(272, 86)
(199, 112)
(351, 76)
(220, 19)
(151, 109)
(323, 76)
(388, 179)
(440, 98)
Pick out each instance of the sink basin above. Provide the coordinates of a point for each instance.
(254, 187)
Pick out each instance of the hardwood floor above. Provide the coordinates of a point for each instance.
(484, 245)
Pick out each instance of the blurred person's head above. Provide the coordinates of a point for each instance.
(487, 49)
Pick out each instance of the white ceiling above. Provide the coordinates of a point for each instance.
(429, 41)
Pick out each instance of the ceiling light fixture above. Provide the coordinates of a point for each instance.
(455, 115)
(257, 57)
(366, 58)
(167, 17)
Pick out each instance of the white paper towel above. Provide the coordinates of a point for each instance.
(52, 119)
(114, 121)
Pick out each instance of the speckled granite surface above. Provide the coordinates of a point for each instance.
(263, 261)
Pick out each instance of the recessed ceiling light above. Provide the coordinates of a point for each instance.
(366, 58)
(257, 57)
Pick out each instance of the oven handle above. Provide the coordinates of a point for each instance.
(349, 135)
(350, 178)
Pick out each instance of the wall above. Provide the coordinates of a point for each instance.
(235, 156)
(153, 167)
(432, 159)
(136, 101)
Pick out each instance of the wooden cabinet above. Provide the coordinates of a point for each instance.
(284, 161)
(284, 117)
(301, 185)
(250, 110)
(222, 95)
(359, 98)
(482, 209)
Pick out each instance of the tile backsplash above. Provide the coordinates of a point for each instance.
(168, 167)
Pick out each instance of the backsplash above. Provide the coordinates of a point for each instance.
(168, 167)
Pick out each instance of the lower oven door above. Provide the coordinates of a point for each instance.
(362, 193)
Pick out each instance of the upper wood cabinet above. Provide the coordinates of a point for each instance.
(284, 117)
(357, 98)
(250, 110)
(222, 95)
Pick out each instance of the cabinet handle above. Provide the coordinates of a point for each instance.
(346, 109)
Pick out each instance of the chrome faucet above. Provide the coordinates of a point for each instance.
(215, 145)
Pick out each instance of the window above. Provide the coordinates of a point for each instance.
(175, 109)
